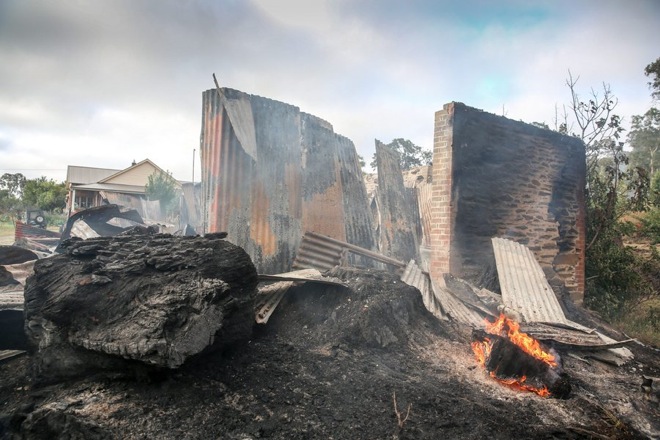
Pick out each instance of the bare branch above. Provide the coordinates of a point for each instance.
(401, 421)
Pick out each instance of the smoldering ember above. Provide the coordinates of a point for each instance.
(301, 299)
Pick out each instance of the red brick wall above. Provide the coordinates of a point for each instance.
(441, 223)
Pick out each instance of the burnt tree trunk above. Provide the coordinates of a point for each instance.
(155, 299)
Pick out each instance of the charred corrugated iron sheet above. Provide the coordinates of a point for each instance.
(358, 218)
(290, 181)
(316, 252)
(190, 206)
(12, 299)
(6, 355)
(322, 190)
(424, 203)
(322, 252)
(523, 283)
(414, 276)
(268, 298)
(455, 308)
(398, 238)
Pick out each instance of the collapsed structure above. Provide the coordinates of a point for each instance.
(271, 173)
(289, 192)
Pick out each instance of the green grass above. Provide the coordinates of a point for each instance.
(6, 233)
(643, 323)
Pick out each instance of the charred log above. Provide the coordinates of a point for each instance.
(506, 361)
(157, 300)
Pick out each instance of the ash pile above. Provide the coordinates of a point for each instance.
(154, 336)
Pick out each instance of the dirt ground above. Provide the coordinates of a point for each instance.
(327, 366)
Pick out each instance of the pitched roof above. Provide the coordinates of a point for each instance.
(126, 170)
(77, 174)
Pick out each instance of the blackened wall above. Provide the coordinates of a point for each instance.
(502, 178)
(270, 173)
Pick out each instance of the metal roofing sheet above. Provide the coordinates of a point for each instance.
(6, 355)
(301, 177)
(398, 226)
(267, 299)
(76, 174)
(455, 308)
(12, 300)
(21, 271)
(523, 283)
(414, 276)
(303, 276)
(239, 111)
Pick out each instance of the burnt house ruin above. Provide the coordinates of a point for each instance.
(271, 173)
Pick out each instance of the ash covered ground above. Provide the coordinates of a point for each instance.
(326, 366)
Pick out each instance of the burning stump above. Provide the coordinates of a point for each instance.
(110, 303)
(518, 360)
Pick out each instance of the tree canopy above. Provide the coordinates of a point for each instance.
(653, 71)
(644, 138)
(411, 155)
(43, 193)
(13, 184)
(162, 187)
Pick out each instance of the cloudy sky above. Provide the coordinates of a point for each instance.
(101, 83)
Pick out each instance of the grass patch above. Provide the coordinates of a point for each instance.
(643, 323)
(6, 233)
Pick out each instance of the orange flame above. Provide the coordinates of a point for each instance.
(510, 329)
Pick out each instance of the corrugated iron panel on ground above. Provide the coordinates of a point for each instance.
(455, 308)
(268, 298)
(414, 276)
(318, 253)
(6, 355)
(523, 283)
(304, 275)
(617, 356)
(318, 250)
(21, 271)
(12, 299)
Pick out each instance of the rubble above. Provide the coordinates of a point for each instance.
(326, 365)
(155, 299)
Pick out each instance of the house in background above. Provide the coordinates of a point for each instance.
(89, 187)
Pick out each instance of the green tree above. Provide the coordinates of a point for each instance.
(411, 155)
(162, 187)
(644, 138)
(9, 205)
(13, 183)
(43, 193)
(653, 71)
(654, 190)
(616, 277)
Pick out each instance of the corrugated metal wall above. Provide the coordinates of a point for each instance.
(271, 173)
(399, 220)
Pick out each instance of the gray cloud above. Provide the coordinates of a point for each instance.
(101, 83)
